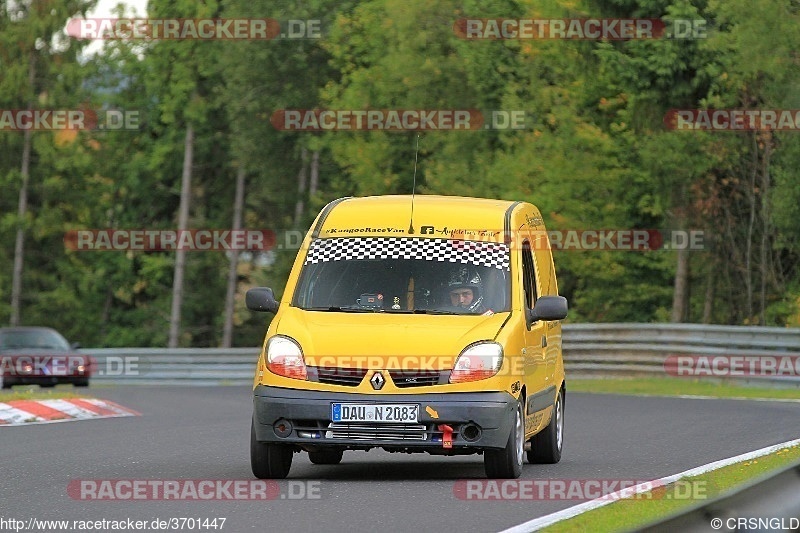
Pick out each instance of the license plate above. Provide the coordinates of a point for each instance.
(369, 412)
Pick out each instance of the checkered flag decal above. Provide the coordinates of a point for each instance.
(488, 254)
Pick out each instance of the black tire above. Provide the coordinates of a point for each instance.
(326, 457)
(546, 445)
(507, 463)
(7, 384)
(269, 461)
(81, 383)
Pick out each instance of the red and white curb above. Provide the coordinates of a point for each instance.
(24, 412)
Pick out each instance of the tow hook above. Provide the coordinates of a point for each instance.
(447, 435)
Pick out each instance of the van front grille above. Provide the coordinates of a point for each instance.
(348, 377)
(367, 431)
(352, 377)
(419, 378)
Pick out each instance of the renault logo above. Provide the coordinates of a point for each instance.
(377, 381)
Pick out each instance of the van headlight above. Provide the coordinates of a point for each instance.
(477, 361)
(285, 358)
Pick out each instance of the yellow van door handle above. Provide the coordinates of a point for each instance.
(544, 341)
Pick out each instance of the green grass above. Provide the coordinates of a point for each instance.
(34, 392)
(664, 501)
(625, 515)
(670, 386)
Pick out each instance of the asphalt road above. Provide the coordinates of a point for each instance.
(203, 433)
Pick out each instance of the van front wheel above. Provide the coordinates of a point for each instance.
(507, 463)
(269, 461)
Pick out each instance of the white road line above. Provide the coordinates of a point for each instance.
(788, 400)
(544, 521)
(695, 397)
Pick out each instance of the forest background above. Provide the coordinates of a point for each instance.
(594, 154)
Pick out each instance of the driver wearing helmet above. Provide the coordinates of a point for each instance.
(465, 290)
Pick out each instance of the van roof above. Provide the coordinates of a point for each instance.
(434, 216)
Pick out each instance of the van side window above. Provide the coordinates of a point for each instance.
(552, 287)
(528, 276)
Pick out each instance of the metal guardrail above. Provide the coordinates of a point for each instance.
(770, 503)
(175, 366)
(590, 350)
(594, 350)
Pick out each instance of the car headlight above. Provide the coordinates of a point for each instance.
(285, 358)
(478, 361)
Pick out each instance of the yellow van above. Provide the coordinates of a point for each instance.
(414, 324)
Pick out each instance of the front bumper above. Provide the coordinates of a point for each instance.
(309, 416)
(45, 380)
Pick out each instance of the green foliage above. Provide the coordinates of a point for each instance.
(594, 153)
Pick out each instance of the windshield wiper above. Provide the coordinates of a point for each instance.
(359, 309)
(342, 309)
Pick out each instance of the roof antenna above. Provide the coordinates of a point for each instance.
(413, 189)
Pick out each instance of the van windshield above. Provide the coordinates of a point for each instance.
(405, 275)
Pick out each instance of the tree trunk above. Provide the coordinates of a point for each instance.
(105, 318)
(230, 295)
(748, 275)
(183, 222)
(312, 186)
(765, 230)
(22, 210)
(708, 304)
(299, 206)
(681, 288)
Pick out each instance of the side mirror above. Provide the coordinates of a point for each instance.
(261, 299)
(547, 308)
